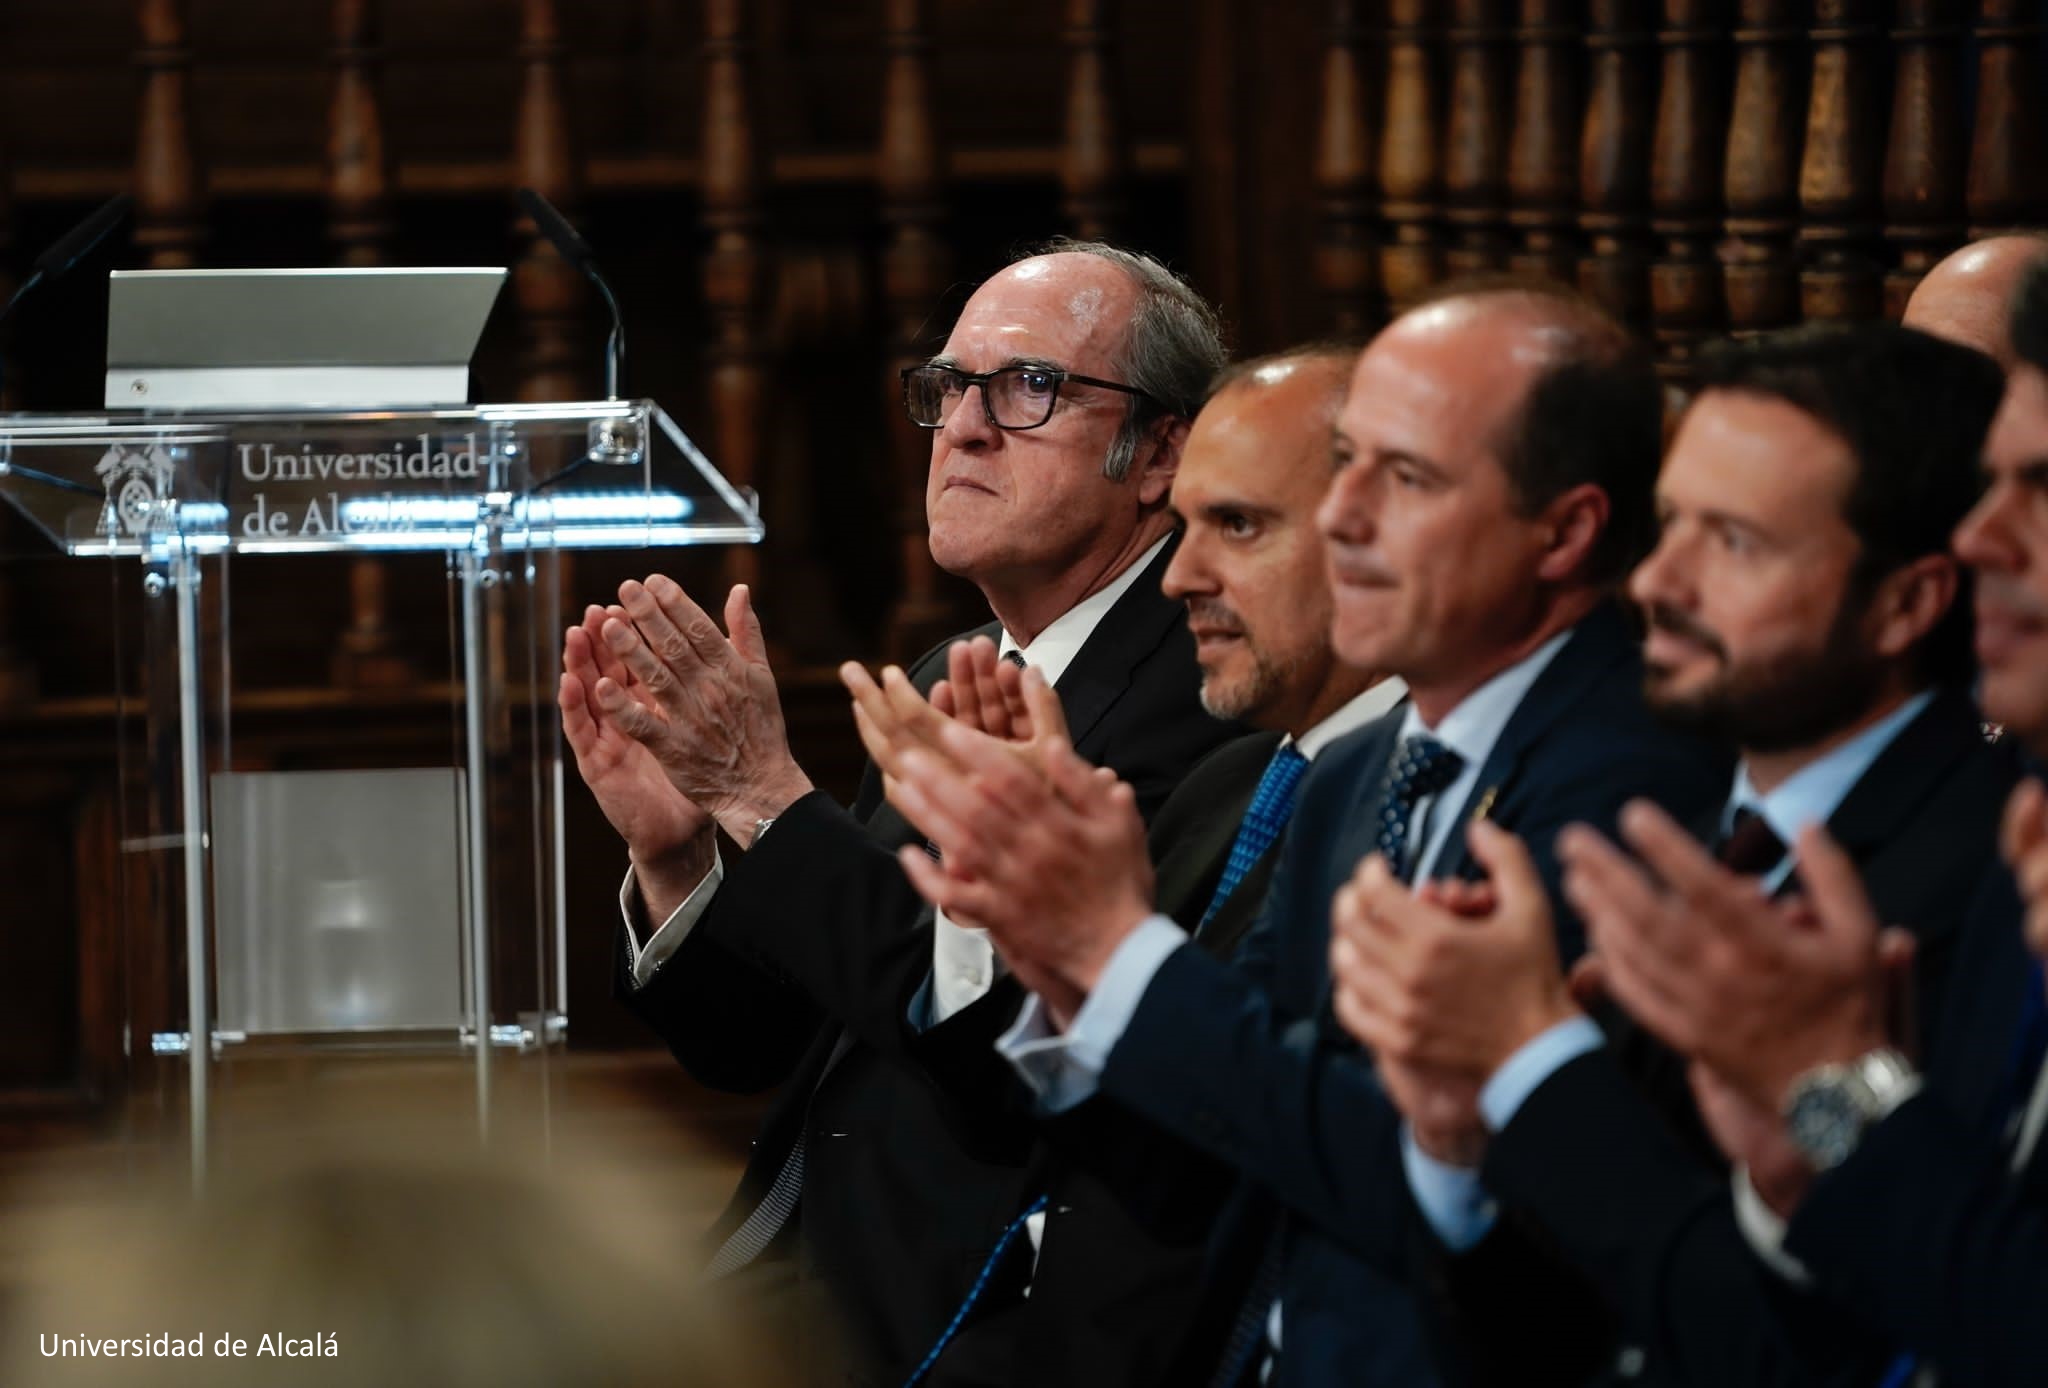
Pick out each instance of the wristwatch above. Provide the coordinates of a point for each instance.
(1830, 1107)
(760, 828)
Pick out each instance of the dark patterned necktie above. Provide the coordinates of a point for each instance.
(1263, 821)
(1752, 847)
(1422, 767)
(1016, 658)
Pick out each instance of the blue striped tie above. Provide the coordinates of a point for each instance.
(1263, 821)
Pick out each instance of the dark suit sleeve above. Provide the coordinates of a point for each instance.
(1588, 1161)
(1208, 1057)
(733, 1026)
(1929, 1236)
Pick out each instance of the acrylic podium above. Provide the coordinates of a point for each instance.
(412, 907)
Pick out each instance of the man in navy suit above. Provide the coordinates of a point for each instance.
(1915, 1193)
(1802, 602)
(1493, 464)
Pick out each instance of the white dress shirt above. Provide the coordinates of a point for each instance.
(955, 959)
(964, 964)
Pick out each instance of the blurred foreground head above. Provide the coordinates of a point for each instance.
(425, 1259)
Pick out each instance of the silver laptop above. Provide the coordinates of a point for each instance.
(294, 339)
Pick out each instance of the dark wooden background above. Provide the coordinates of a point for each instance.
(792, 198)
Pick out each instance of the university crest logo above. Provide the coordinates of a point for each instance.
(136, 479)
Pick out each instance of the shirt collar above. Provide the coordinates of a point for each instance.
(1054, 649)
(1813, 793)
(1475, 725)
(1361, 710)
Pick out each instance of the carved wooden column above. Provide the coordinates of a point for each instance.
(2008, 186)
(1543, 159)
(1760, 266)
(735, 268)
(556, 356)
(1924, 168)
(1476, 137)
(359, 224)
(1841, 176)
(1614, 159)
(1094, 164)
(1410, 175)
(169, 223)
(1685, 180)
(916, 268)
(1346, 268)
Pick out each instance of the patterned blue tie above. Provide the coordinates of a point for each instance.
(1422, 766)
(1263, 822)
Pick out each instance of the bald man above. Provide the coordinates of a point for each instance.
(1968, 296)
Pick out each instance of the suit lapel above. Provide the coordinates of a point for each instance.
(1597, 643)
(885, 825)
(1101, 670)
(1877, 807)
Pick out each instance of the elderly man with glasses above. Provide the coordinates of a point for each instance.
(807, 962)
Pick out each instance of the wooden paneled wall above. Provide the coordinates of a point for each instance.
(793, 197)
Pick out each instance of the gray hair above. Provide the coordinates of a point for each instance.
(1171, 350)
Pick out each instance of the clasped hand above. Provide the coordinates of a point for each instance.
(1042, 850)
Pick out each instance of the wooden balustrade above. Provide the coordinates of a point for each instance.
(1094, 163)
(916, 264)
(2008, 187)
(1925, 163)
(736, 264)
(1841, 177)
(1685, 177)
(1766, 129)
(1411, 180)
(1347, 273)
(1475, 137)
(1543, 155)
(1614, 158)
(169, 217)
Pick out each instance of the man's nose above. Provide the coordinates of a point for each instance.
(968, 424)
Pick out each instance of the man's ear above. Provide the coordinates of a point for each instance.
(1910, 602)
(1576, 518)
(1159, 459)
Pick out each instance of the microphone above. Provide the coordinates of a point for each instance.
(577, 252)
(71, 247)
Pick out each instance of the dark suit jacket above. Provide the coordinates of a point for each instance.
(1240, 1060)
(1924, 1233)
(1597, 1157)
(801, 975)
(1111, 1295)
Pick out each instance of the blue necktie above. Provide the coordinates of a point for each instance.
(1004, 1243)
(1421, 767)
(1272, 804)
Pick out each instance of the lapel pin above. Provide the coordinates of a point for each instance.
(1485, 807)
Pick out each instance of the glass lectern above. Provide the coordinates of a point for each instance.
(411, 906)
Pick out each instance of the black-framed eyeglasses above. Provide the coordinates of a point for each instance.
(1013, 397)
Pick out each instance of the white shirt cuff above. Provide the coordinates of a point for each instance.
(667, 940)
(1450, 1197)
(1765, 1231)
(1063, 1070)
(1525, 1071)
(964, 967)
